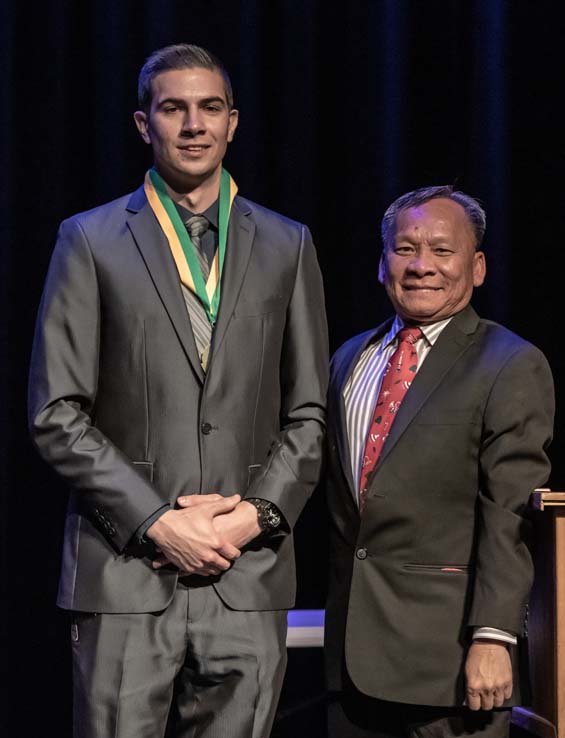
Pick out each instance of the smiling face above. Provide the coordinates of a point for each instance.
(430, 267)
(189, 125)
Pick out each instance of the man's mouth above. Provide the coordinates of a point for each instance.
(420, 288)
(194, 148)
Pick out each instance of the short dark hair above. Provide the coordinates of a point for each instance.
(178, 56)
(475, 213)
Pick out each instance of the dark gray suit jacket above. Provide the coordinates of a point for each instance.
(120, 407)
(450, 490)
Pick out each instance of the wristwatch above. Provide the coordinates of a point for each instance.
(268, 515)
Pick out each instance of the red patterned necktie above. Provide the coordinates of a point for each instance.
(397, 377)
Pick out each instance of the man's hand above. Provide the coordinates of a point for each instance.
(188, 539)
(488, 672)
(238, 526)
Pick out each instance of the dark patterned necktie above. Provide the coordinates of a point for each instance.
(196, 226)
(397, 378)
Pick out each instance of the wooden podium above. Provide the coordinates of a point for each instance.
(546, 621)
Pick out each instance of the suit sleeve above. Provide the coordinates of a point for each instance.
(293, 467)
(62, 396)
(517, 430)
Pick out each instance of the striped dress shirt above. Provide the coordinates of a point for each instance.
(363, 386)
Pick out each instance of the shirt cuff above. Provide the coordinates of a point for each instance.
(495, 634)
(139, 534)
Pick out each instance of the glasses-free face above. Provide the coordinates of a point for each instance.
(188, 125)
(430, 268)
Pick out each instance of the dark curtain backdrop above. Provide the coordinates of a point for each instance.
(341, 110)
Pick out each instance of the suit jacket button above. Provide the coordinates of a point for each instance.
(206, 428)
(361, 553)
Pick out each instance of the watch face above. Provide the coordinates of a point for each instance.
(268, 515)
(272, 518)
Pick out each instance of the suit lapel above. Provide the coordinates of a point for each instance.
(342, 370)
(158, 259)
(241, 232)
(452, 343)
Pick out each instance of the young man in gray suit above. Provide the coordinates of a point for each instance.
(438, 428)
(178, 386)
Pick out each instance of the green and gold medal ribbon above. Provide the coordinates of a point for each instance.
(181, 245)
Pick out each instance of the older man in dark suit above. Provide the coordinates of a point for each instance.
(178, 385)
(439, 424)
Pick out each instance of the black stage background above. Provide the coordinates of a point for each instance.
(341, 110)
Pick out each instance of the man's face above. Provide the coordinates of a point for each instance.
(189, 125)
(430, 267)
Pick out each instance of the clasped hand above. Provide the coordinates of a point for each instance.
(205, 535)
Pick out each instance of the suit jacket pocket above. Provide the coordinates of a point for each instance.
(437, 568)
(252, 473)
(250, 308)
(145, 468)
(444, 416)
(435, 601)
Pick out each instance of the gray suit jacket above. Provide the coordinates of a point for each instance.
(441, 546)
(120, 407)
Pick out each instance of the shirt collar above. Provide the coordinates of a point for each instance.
(211, 213)
(431, 331)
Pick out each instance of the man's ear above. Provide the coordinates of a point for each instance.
(382, 268)
(142, 125)
(479, 268)
(232, 123)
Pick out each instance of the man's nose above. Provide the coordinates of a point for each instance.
(193, 121)
(422, 263)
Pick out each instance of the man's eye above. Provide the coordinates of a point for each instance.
(442, 251)
(170, 109)
(213, 108)
(403, 250)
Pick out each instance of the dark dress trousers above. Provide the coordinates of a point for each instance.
(442, 544)
(120, 407)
